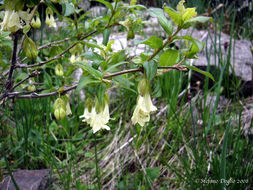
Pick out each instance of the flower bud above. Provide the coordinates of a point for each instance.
(59, 103)
(30, 49)
(130, 34)
(59, 70)
(59, 113)
(31, 88)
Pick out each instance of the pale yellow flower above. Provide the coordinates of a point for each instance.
(97, 120)
(25, 16)
(50, 21)
(68, 109)
(140, 116)
(13, 21)
(88, 115)
(74, 58)
(143, 109)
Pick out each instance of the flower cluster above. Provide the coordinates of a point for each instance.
(97, 116)
(15, 20)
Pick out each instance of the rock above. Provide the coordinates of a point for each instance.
(84, 4)
(241, 57)
(27, 180)
(97, 11)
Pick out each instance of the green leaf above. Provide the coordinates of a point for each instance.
(95, 73)
(84, 81)
(163, 21)
(83, 16)
(174, 15)
(117, 57)
(107, 4)
(154, 42)
(112, 67)
(47, 81)
(150, 69)
(92, 56)
(190, 13)
(124, 82)
(26, 29)
(4, 34)
(106, 35)
(194, 48)
(199, 19)
(223, 155)
(169, 57)
(68, 8)
(200, 71)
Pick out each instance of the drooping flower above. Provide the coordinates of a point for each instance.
(50, 18)
(36, 23)
(144, 105)
(74, 58)
(97, 118)
(13, 21)
(50, 21)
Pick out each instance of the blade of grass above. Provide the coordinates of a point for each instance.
(223, 157)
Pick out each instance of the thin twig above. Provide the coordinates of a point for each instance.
(30, 76)
(13, 62)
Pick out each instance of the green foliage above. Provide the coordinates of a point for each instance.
(169, 57)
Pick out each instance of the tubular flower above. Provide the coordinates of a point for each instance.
(50, 21)
(50, 18)
(97, 120)
(144, 105)
(74, 58)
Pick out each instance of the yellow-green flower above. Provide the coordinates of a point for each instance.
(74, 58)
(13, 21)
(143, 109)
(50, 21)
(97, 120)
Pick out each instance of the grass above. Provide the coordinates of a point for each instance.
(186, 144)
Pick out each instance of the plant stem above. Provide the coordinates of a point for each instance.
(9, 83)
(97, 166)
(168, 41)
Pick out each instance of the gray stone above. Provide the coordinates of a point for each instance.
(84, 4)
(27, 180)
(241, 57)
